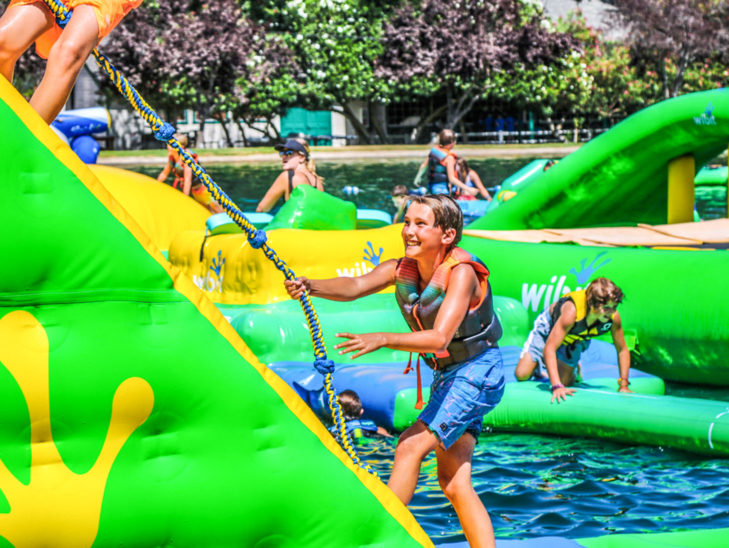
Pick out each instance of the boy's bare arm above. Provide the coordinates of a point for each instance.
(345, 288)
(461, 288)
(623, 353)
(559, 331)
(164, 173)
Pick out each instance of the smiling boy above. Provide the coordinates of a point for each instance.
(444, 295)
(563, 331)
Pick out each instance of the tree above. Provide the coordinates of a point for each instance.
(336, 44)
(188, 54)
(458, 49)
(671, 35)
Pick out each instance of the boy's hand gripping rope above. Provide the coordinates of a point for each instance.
(164, 131)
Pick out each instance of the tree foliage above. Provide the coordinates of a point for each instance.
(205, 56)
(672, 35)
(459, 49)
(336, 44)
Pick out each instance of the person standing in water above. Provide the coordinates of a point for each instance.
(298, 169)
(444, 295)
(440, 166)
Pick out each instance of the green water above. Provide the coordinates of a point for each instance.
(247, 183)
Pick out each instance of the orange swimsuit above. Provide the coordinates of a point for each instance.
(109, 14)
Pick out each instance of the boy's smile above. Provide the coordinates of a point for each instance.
(418, 233)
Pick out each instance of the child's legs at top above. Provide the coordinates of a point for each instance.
(454, 477)
(20, 26)
(414, 445)
(65, 61)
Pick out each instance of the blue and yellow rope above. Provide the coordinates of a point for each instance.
(164, 131)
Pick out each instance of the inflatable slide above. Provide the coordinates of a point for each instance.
(132, 413)
(620, 178)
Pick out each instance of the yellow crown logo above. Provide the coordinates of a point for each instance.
(58, 507)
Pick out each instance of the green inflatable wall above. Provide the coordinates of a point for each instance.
(133, 415)
(674, 312)
(278, 331)
(308, 208)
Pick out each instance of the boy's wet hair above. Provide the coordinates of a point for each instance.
(601, 291)
(446, 137)
(350, 403)
(446, 211)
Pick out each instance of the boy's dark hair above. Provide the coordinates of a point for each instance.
(399, 190)
(446, 211)
(350, 403)
(446, 137)
(602, 290)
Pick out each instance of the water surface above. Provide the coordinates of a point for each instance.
(247, 183)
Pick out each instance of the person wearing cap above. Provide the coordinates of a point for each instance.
(298, 169)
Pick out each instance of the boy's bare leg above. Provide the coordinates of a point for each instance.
(413, 446)
(65, 61)
(525, 368)
(19, 28)
(454, 476)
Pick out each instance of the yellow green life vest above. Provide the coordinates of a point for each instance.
(580, 331)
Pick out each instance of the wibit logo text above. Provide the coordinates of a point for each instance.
(370, 260)
(537, 297)
(707, 117)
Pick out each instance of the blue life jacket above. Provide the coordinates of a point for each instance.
(437, 172)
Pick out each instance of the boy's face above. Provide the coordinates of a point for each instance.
(420, 236)
(605, 311)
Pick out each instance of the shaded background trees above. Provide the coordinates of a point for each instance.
(454, 49)
(669, 36)
(204, 56)
(247, 61)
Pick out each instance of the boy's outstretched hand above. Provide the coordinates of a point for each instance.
(363, 343)
(560, 394)
(296, 288)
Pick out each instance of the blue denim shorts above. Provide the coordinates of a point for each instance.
(462, 394)
(534, 346)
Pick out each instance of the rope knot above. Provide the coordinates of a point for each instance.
(259, 238)
(165, 132)
(324, 366)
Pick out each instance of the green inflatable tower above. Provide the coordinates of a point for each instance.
(132, 413)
